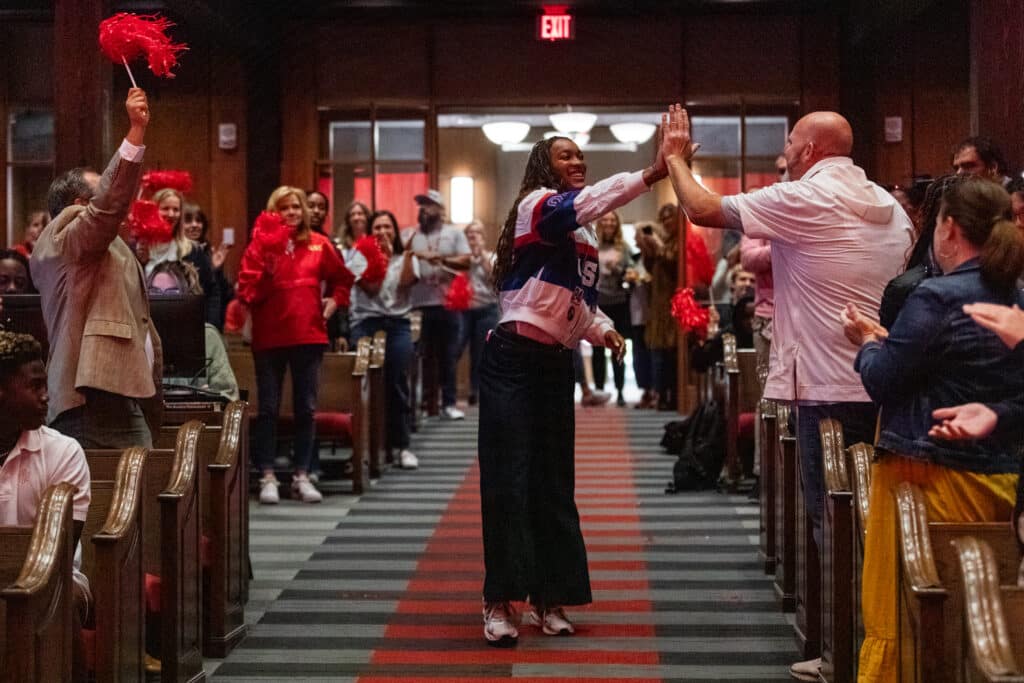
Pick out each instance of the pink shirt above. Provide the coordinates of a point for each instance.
(836, 237)
(756, 257)
(43, 457)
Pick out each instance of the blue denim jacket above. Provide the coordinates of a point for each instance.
(935, 357)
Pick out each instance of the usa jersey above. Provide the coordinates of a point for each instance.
(553, 282)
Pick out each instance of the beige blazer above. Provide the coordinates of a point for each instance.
(94, 299)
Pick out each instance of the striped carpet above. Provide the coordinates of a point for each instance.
(386, 586)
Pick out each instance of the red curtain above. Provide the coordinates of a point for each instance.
(395, 192)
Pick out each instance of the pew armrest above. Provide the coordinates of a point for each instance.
(833, 456)
(919, 568)
(861, 455)
(127, 497)
(235, 422)
(52, 528)
(987, 630)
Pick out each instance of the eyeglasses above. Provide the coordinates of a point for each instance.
(158, 290)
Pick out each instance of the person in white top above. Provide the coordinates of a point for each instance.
(836, 237)
(385, 306)
(34, 457)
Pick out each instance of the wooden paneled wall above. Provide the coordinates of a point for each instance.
(997, 36)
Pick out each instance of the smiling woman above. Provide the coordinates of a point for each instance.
(546, 277)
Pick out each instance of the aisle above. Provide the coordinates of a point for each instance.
(385, 587)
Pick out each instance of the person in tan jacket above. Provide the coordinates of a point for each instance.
(105, 361)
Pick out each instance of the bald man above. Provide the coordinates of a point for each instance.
(836, 237)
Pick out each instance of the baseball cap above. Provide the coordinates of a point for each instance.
(431, 196)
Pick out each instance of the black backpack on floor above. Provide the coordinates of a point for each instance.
(703, 450)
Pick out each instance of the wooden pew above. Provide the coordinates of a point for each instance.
(839, 543)
(113, 557)
(171, 547)
(375, 380)
(931, 586)
(786, 477)
(741, 396)
(36, 610)
(768, 424)
(223, 458)
(226, 589)
(993, 616)
(380, 455)
(808, 576)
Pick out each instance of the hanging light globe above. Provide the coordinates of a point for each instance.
(506, 132)
(637, 133)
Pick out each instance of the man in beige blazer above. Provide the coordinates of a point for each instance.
(105, 361)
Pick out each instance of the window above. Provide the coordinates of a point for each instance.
(378, 160)
(30, 154)
(737, 153)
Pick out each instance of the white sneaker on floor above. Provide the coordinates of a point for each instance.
(500, 624)
(554, 622)
(408, 460)
(452, 413)
(806, 671)
(304, 489)
(268, 490)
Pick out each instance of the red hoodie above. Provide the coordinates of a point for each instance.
(286, 305)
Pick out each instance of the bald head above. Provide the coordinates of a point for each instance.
(818, 135)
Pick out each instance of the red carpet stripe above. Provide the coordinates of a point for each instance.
(454, 553)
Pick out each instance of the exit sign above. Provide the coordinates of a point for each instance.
(555, 24)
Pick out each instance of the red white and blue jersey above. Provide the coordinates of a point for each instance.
(553, 282)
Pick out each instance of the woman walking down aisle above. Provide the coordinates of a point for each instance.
(546, 275)
(614, 260)
(282, 289)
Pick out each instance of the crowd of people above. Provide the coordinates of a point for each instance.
(895, 312)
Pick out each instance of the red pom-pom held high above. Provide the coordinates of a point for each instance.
(125, 37)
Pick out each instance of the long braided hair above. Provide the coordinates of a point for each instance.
(538, 174)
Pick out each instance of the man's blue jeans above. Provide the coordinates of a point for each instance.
(858, 420)
(440, 335)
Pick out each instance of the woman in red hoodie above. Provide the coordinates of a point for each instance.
(280, 280)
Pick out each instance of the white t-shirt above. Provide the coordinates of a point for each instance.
(447, 240)
(836, 237)
(392, 300)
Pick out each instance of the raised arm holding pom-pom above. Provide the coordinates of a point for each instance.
(138, 115)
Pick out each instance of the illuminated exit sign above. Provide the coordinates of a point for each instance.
(555, 24)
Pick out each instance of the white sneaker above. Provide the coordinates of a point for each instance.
(595, 398)
(807, 670)
(408, 460)
(304, 489)
(452, 413)
(268, 490)
(500, 624)
(554, 623)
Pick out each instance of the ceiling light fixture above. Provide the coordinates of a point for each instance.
(637, 133)
(506, 132)
(573, 121)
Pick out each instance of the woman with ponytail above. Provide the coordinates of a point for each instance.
(545, 274)
(934, 357)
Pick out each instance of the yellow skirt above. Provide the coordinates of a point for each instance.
(950, 496)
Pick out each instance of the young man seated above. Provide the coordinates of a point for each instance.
(33, 457)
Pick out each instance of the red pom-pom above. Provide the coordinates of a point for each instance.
(270, 233)
(699, 268)
(376, 261)
(125, 37)
(460, 294)
(147, 225)
(158, 180)
(689, 315)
